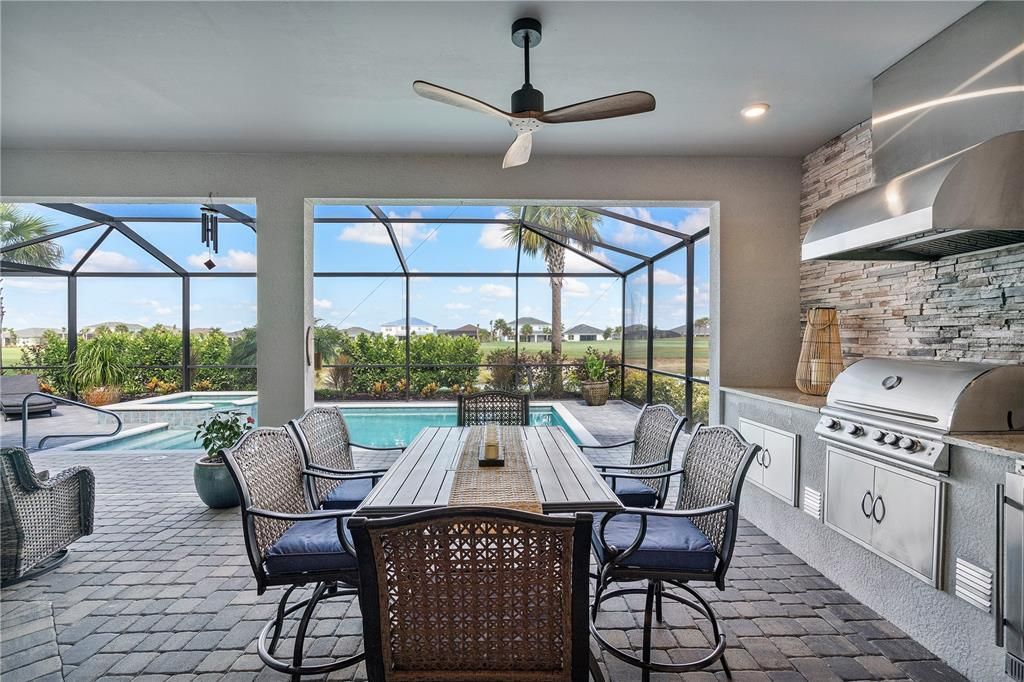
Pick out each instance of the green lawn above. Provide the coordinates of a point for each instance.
(669, 354)
(12, 356)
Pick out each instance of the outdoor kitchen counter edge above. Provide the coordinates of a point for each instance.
(1003, 444)
(786, 395)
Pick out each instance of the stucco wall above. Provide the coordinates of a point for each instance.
(754, 202)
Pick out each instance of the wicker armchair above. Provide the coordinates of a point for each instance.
(41, 516)
(469, 593)
(692, 543)
(494, 407)
(326, 445)
(654, 438)
(289, 543)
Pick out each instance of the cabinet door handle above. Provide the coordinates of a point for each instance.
(758, 458)
(878, 501)
(766, 458)
(863, 501)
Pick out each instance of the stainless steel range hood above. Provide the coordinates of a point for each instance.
(947, 134)
(969, 201)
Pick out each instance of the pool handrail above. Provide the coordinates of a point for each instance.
(66, 401)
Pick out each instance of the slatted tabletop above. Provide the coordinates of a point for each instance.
(421, 478)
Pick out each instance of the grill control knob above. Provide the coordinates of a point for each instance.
(877, 435)
(909, 444)
(892, 439)
(854, 429)
(830, 423)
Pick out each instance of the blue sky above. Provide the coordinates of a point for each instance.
(230, 303)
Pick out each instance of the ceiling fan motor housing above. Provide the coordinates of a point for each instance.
(527, 98)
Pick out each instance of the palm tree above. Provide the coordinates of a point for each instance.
(566, 219)
(17, 226)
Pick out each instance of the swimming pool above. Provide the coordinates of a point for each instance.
(383, 426)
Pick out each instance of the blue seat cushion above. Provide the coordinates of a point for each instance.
(348, 495)
(309, 546)
(671, 543)
(634, 493)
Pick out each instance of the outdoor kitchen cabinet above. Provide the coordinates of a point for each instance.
(777, 465)
(893, 512)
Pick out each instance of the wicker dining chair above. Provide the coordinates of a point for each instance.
(654, 438)
(494, 407)
(288, 542)
(326, 445)
(40, 515)
(692, 543)
(475, 594)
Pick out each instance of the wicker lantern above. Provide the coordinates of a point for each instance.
(821, 357)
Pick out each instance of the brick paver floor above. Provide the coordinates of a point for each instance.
(162, 590)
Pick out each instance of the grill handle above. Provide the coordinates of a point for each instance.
(997, 596)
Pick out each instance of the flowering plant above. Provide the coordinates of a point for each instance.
(222, 430)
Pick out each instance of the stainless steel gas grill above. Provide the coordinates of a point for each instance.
(900, 409)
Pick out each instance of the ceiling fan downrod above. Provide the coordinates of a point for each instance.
(526, 33)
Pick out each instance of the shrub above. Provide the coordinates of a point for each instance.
(53, 354)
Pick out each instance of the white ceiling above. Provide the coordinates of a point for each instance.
(279, 76)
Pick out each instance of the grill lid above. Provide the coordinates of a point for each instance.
(944, 396)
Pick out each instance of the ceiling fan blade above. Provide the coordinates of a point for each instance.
(519, 152)
(612, 106)
(457, 99)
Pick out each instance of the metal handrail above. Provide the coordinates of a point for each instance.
(66, 401)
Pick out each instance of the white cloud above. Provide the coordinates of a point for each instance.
(577, 263)
(496, 291)
(456, 306)
(323, 303)
(408, 234)
(195, 307)
(366, 233)
(157, 307)
(106, 261)
(234, 260)
(575, 288)
(492, 235)
(696, 219)
(662, 276)
(34, 284)
(462, 289)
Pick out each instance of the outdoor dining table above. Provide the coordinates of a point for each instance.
(422, 477)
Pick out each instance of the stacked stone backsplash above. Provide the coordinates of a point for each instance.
(968, 307)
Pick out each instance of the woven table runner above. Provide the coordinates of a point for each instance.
(510, 486)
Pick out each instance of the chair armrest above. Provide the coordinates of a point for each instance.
(400, 448)
(75, 480)
(331, 470)
(320, 473)
(665, 474)
(607, 447)
(306, 516)
(627, 467)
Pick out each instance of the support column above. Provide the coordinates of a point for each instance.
(284, 295)
(186, 335)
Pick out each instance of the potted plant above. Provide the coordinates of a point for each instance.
(213, 481)
(595, 380)
(99, 371)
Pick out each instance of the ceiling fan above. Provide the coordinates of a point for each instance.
(528, 114)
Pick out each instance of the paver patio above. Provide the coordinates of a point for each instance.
(163, 590)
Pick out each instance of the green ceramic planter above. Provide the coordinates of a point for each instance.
(214, 484)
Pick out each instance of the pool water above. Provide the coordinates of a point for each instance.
(375, 426)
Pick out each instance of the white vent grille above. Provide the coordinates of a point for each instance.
(973, 584)
(812, 502)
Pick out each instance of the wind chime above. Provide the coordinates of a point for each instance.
(209, 235)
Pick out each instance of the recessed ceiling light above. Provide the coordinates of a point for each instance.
(756, 110)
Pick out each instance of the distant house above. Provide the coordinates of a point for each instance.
(30, 336)
(356, 331)
(537, 329)
(582, 332)
(701, 327)
(417, 327)
(465, 330)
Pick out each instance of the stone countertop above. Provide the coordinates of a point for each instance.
(786, 395)
(1004, 444)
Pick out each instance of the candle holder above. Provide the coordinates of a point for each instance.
(491, 453)
(821, 356)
